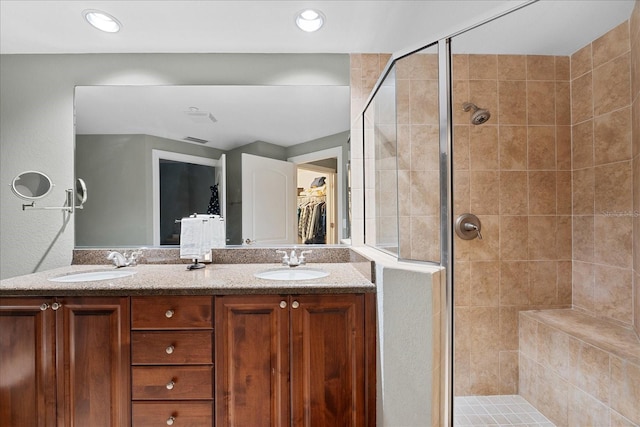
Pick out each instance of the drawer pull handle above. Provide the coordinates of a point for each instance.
(295, 304)
(170, 385)
(170, 349)
(283, 304)
(170, 420)
(44, 306)
(55, 306)
(169, 314)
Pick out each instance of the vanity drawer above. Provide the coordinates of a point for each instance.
(171, 348)
(172, 312)
(182, 414)
(171, 382)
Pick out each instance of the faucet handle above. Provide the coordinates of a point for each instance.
(285, 257)
(302, 254)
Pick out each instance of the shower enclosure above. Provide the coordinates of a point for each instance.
(479, 125)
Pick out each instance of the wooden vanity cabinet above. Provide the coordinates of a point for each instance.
(64, 361)
(303, 360)
(172, 360)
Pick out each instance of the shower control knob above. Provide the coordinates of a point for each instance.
(468, 227)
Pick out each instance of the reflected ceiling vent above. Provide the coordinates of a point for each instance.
(198, 116)
(194, 139)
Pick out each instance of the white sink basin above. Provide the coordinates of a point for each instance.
(291, 274)
(92, 276)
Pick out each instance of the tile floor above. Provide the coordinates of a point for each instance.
(496, 411)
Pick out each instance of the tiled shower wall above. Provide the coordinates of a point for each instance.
(603, 176)
(514, 173)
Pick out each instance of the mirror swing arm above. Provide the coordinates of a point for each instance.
(34, 185)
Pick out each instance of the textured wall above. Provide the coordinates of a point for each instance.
(634, 25)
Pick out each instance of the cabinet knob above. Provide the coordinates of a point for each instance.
(169, 349)
(169, 314)
(170, 385)
(44, 306)
(170, 420)
(295, 304)
(55, 306)
(283, 304)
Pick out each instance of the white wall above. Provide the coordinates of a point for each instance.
(36, 126)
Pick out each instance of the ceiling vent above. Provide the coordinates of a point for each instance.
(194, 139)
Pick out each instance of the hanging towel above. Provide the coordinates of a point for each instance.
(192, 245)
(214, 202)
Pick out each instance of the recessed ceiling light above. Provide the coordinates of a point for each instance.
(102, 20)
(310, 20)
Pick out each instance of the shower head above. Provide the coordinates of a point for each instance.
(479, 115)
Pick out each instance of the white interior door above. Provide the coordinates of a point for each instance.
(268, 201)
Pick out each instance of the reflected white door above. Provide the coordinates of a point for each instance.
(268, 200)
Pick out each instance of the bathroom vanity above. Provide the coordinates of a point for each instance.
(166, 346)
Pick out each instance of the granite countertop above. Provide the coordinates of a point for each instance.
(175, 279)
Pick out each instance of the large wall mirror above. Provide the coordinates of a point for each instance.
(153, 154)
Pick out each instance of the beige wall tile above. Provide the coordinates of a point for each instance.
(514, 283)
(512, 102)
(625, 389)
(613, 188)
(591, 371)
(460, 95)
(461, 147)
(513, 147)
(484, 373)
(612, 44)
(541, 148)
(618, 420)
(584, 410)
(424, 102)
(563, 103)
(509, 327)
(611, 85)
(542, 193)
(514, 237)
(612, 137)
(542, 238)
(484, 287)
(425, 149)
(583, 188)
(564, 285)
(583, 285)
(483, 335)
(563, 68)
(553, 350)
(564, 244)
(514, 190)
(613, 241)
(582, 145)
(512, 67)
(461, 192)
(583, 238)
(483, 67)
(508, 372)
(563, 148)
(581, 62)
(563, 192)
(613, 294)
(582, 98)
(553, 397)
(484, 195)
(484, 94)
(460, 67)
(528, 336)
(543, 276)
(483, 141)
(541, 103)
(462, 283)
(528, 379)
(541, 67)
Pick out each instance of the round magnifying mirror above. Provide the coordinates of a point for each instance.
(31, 185)
(81, 191)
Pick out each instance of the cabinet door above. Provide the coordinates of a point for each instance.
(252, 361)
(27, 363)
(93, 362)
(327, 360)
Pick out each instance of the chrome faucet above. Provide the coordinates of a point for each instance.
(124, 260)
(293, 260)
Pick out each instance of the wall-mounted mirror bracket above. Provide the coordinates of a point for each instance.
(34, 185)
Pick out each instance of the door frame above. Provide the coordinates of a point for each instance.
(156, 156)
(325, 154)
